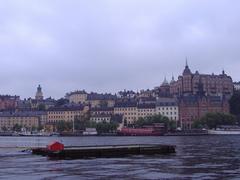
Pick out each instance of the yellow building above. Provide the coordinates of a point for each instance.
(145, 110)
(23, 119)
(128, 110)
(101, 100)
(67, 113)
(77, 97)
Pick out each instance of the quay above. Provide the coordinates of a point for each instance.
(81, 152)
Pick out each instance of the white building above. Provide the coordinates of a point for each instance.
(167, 107)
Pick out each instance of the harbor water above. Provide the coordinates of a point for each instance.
(197, 157)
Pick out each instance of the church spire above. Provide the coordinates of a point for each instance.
(165, 82)
(187, 71)
(172, 81)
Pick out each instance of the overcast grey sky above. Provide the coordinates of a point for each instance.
(111, 45)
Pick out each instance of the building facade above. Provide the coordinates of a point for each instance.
(213, 85)
(194, 107)
(8, 102)
(168, 107)
(99, 118)
(66, 113)
(101, 100)
(128, 110)
(77, 97)
(145, 110)
(28, 120)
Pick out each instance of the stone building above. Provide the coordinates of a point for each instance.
(77, 97)
(128, 110)
(193, 107)
(144, 110)
(28, 120)
(163, 90)
(102, 110)
(168, 107)
(101, 100)
(8, 102)
(101, 118)
(213, 85)
(66, 113)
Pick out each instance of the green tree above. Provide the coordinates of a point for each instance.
(40, 127)
(60, 125)
(149, 120)
(212, 120)
(17, 128)
(4, 128)
(234, 103)
(105, 127)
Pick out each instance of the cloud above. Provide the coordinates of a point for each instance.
(107, 46)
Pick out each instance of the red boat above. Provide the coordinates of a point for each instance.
(144, 131)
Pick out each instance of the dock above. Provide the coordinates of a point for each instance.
(112, 151)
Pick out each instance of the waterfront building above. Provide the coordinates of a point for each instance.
(66, 113)
(145, 110)
(213, 85)
(101, 118)
(28, 119)
(128, 110)
(193, 107)
(167, 107)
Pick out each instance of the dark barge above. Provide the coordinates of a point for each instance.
(113, 151)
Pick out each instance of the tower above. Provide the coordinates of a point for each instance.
(39, 94)
(187, 80)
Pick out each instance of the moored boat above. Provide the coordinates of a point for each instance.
(153, 130)
(225, 130)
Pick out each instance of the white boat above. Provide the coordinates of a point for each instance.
(226, 130)
(90, 132)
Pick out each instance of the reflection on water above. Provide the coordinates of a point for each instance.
(204, 157)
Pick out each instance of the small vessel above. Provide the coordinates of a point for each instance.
(90, 132)
(225, 130)
(152, 130)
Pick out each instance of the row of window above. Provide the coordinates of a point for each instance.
(60, 117)
(63, 112)
(100, 119)
(146, 110)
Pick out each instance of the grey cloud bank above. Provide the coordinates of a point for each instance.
(107, 45)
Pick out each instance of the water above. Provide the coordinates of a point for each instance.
(203, 157)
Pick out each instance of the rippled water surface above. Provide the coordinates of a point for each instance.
(203, 157)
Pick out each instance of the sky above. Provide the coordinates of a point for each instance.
(112, 45)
